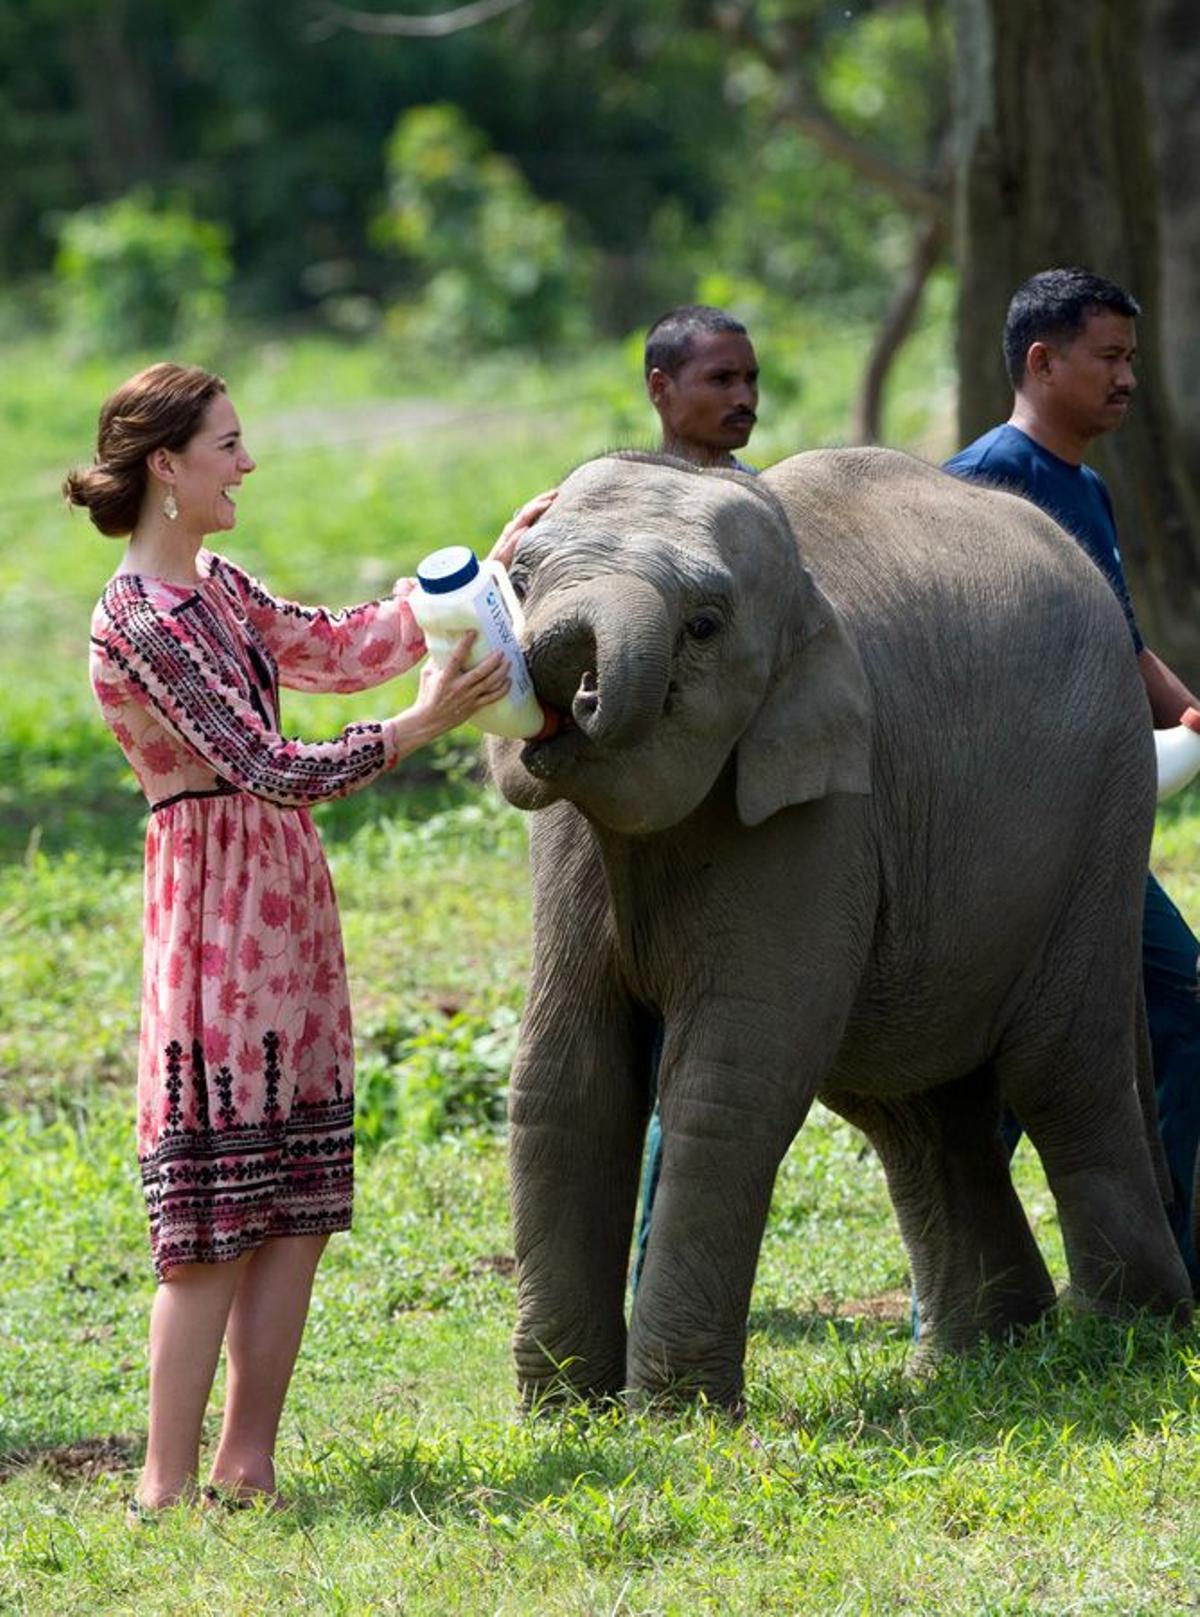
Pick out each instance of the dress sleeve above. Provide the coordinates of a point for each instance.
(158, 653)
(319, 650)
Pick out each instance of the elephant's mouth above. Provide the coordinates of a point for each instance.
(550, 756)
(600, 665)
(571, 728)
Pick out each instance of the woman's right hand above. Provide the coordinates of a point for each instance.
(519, 524)
(448, 696)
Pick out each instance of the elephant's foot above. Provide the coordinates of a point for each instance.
(667, 1373)
(553, 1396)
(923, 1362)
(552, 1378)
(668, 1402)
(556, 1398)
(1112, 1302)
(1121, 1253)
(934, 1347)
(957, 1324)
(667, 1395)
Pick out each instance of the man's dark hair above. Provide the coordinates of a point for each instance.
(1055, 306)
(669, 340)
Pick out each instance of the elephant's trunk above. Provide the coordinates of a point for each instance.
(603, 657)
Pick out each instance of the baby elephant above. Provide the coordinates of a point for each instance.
(853, 795)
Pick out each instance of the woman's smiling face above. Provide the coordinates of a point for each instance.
(210, 468)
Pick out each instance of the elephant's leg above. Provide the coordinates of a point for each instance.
(725, 1129)
(976, 1267)
(578, 1104)
(577, 1119)
(1071, 1080)
(765, 974)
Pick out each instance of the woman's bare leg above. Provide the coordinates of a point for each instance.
(262, 1340)
(187, 1321)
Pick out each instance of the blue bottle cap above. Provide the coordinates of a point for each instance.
(448, 569)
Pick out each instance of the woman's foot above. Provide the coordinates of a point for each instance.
(144, 1508)
(156, 1492)
(238, 1485)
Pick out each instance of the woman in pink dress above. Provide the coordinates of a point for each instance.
(245, 1071)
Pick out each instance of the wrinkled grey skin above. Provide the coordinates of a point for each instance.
(874, 833)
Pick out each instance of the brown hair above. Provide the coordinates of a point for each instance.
(159, 408)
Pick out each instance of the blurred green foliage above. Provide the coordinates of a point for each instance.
(796, 224)
(433, 1072)
(133, 274)
(603, 161)
(495, 267)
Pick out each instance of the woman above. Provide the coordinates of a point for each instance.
(245, 1072)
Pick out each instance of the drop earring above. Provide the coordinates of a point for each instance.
(170, 506)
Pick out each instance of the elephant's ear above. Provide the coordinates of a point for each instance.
(812, 734)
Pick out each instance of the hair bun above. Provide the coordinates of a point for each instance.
(111, 496)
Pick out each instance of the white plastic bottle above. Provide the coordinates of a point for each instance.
(456, 592)
(1178, 751)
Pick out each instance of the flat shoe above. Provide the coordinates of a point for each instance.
(214, 1497)
(211, 1497)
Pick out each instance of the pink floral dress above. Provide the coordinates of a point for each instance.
(245, 1068)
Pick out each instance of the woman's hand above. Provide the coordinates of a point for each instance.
(522, 519)
(448, 696)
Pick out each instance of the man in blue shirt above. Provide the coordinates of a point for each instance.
(1069, 345)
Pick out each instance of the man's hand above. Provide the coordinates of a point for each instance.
(1168, 695)
(523, 518)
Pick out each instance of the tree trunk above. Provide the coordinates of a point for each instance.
(125, 145)
(1172, 72)
(1055, 168)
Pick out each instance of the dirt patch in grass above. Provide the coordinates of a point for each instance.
(84, 1460)
(497, 1263)
(887, 1305)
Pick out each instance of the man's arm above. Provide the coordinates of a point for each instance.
(1167, 692)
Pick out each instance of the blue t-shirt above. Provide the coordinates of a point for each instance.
(1075, 496)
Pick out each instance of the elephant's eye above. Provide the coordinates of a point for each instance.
(703, 625)
(520, 585)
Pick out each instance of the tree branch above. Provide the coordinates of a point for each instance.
(797, 106)
(401, 24)
(929, 247)
(910, 193)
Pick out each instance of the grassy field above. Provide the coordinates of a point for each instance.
(1059, 1475)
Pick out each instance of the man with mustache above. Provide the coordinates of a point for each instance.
(702, 378)
(1069, 346)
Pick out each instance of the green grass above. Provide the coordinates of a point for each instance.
(1061, 1474)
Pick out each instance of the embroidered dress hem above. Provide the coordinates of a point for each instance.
(214, 1200)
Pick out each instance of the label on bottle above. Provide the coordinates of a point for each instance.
(498, 632)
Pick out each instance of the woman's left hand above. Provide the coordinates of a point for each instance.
(522, 519)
